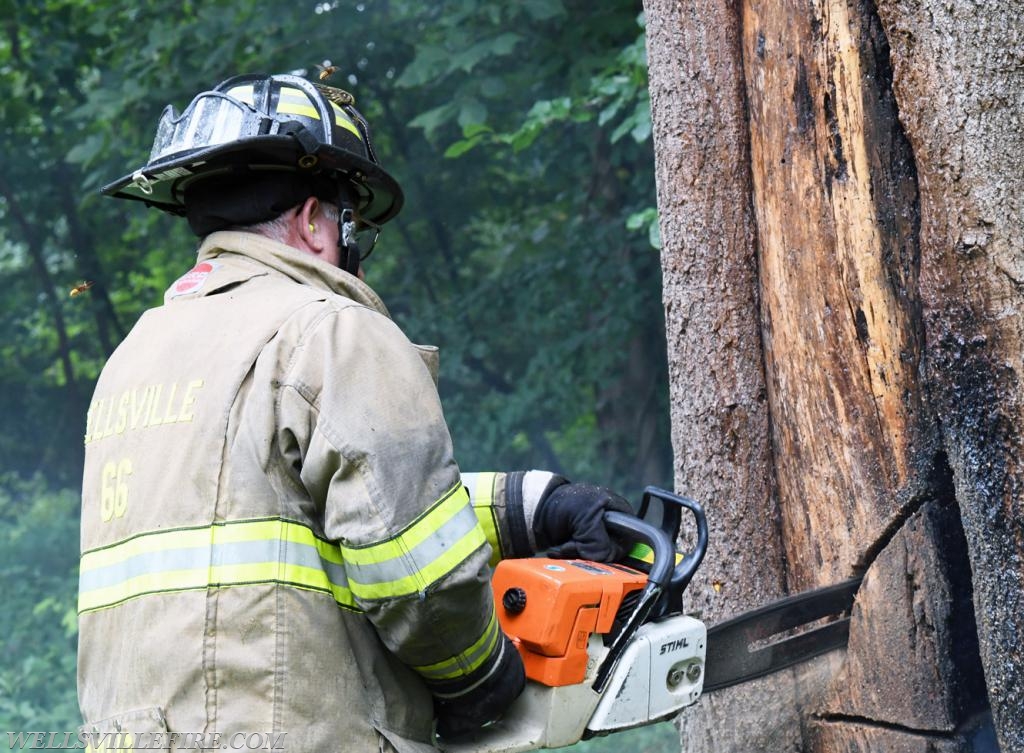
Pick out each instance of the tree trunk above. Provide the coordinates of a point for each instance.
(720, 422)
(959, 78)
(108, 327)
(887, 254)
(34, 241)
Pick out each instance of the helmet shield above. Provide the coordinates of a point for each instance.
(213, 118)
(257, 123)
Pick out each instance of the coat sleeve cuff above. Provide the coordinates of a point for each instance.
(460, 674)
(525, 491)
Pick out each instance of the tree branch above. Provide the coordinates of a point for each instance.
(35, 247)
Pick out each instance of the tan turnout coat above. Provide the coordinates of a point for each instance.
(275, 534)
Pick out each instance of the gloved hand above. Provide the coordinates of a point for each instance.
(569, 523)
(484, 702)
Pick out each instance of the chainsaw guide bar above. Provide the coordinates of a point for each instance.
(741, 649)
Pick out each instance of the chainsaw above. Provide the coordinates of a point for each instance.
(606, 647)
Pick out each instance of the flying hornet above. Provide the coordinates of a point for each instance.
(326, 70)
(80, 288)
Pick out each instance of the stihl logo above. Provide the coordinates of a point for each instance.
(674, 645)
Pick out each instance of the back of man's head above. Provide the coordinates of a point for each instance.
(250, 198)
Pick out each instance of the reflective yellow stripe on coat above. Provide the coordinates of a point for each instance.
(424, 552)
(469, 660)
(235, 553)
(481, 494)
(272, 550)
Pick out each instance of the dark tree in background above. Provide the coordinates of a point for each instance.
(839, 190)
(521, 134)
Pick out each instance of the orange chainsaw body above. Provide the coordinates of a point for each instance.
(550, 608)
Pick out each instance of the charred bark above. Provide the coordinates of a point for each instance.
(886, 190)
(959, 79)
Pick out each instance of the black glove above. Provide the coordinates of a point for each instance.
(569, 523)
(485, 702)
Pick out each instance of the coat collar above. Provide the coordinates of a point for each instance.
(303, 268)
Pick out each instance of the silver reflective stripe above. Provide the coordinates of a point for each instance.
(479, 486)
(236, 553)
(410, 563)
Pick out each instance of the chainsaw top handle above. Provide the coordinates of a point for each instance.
(671, 518)
(631, 527)
(658, 579)
(666, 580)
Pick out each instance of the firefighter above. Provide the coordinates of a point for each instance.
(275, 534)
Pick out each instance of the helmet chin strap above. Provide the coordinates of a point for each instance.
(347, 240)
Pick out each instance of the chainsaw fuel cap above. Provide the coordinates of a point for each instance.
(514, 600)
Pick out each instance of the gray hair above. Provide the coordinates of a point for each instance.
(277, 228)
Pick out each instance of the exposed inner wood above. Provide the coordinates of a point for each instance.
(888, 245)
(852, 437)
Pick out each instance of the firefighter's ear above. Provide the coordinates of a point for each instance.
(311, 233)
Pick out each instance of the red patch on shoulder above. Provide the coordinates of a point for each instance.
(193, 280)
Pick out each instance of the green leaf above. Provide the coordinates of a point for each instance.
(561, 107)
(654, 234)
(641, 130)
(461, 147)
(70, 621)
(86, 150)
(476, 128)
(623, 128)
(430, 62)
(503, 44)
(646, 218)
(608, 113)
(434, 118)
(493, 87)
(524, 138)
(637, 220)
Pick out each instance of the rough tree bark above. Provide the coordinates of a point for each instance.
(720, 425)
(884, 272)
(959, 78)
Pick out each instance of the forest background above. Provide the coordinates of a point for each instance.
(527, 250)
